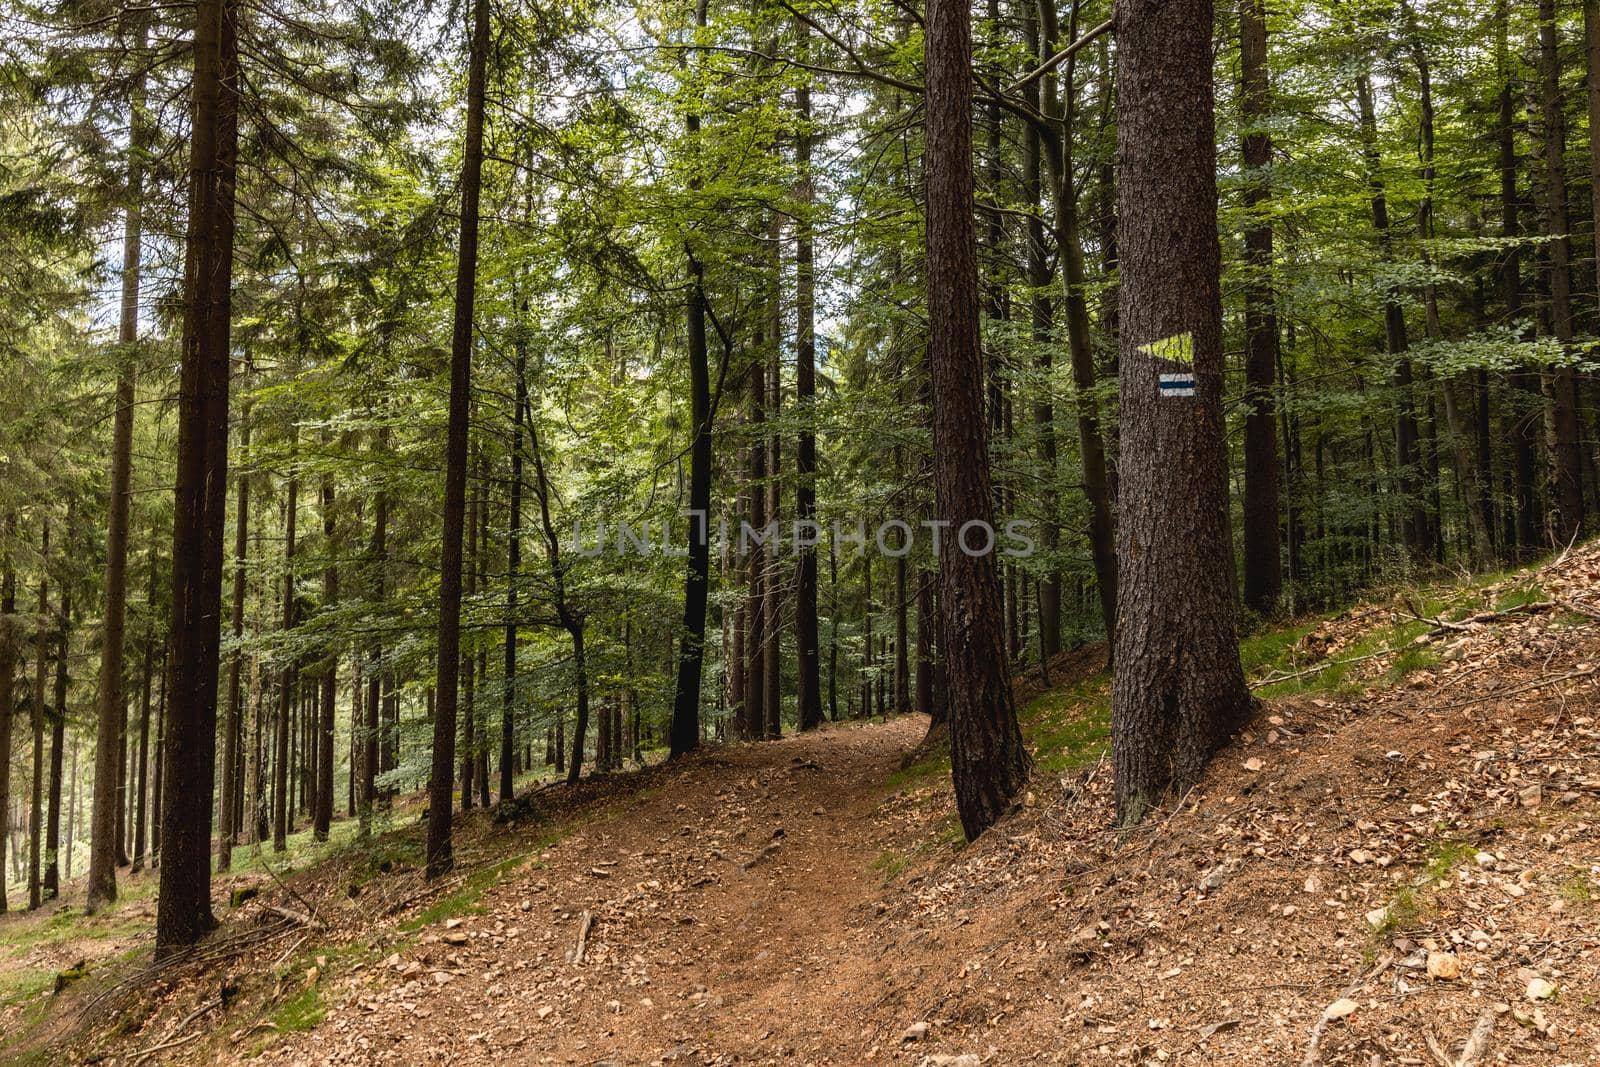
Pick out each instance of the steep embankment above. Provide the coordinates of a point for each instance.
(1401, 853)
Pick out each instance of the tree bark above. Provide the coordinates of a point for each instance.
(1179, 692)
(989, 764)
(183, 913)
(808, 694)
(233, 730)
(110, 712)
(685, 731)
(1559, 382)
(1080, 346)
(1414, 519)
(1263, 578)
(289, 677)
(8, 671)
(58, 723)
(508, 734)
(372, 748)
(440, 857)
(1042, 317)
(41, 664)
(322, 817)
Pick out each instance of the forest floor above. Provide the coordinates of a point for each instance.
(1399, 863)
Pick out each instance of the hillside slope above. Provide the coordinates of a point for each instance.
(1402, 852)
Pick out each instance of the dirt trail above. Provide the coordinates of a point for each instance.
(723, 910)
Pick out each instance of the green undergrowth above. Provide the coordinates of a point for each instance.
(1070, 727)
(466, 898)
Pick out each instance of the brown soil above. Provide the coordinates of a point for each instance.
(784, 903)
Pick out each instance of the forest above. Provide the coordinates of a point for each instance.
(430, 430)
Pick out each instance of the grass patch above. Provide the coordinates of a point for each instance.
(1446, 856)
(464, 900)
(935, 764)
(300, 1012)
(1578, 889)
(1518, 598)
(17, 986)
(1410, 661)
(1069, 728)
(890, 864)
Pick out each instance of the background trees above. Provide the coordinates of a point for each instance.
(702, 280)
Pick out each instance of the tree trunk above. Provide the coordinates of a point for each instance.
(289, 677)
(1559, 382)
(988, 761)
(183, 913)
(322, 817)
(233, 727)
(1080, 346)
(155, 788)
(754, 716)
(377, 745)
(440, 857)
(476, 504)
(138, 775)
(685, 733)
(508, 732)
(110, 712)
(8, 671)
(41, 664)
(808, 694)
(1042, 315)
(1179, 692)
(1414, 520)
(58, 723)
(1263, 582)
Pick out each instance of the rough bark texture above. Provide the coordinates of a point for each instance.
(1413, 519)
(808, 692)
(183, 913)
(684, 736)
(58, 723)
(440, 857)
(508, 732)
(988, 761)
(233, 725)
(755, 687)
(109, 712)
(322, 817)
(1179, 692)
(372, 748)
(288, 679)
(1263, 580)
(1559, 382)
(1042, 317)
(8, 670)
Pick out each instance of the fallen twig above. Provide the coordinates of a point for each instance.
(1314, 1049)
(296, 917)
(585, 922)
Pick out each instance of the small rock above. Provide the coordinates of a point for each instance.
(545, 1012)
(1541, 989)
(443, 977)
(1340, 1008)
(915, 1032)
(1444, 966)
(1532, 796)
(1253, 764)
(966, 1059)
(1216, 877)
(1485, 860)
